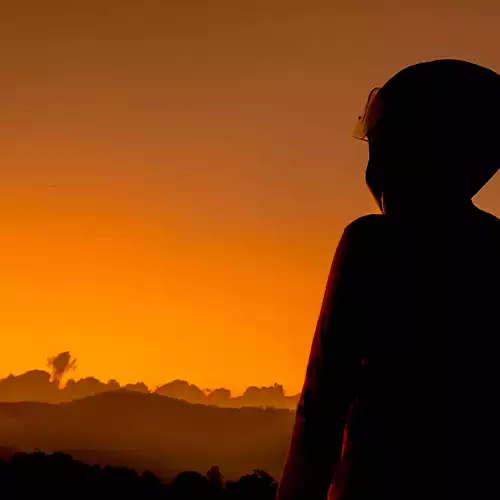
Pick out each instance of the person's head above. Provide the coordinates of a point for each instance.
(433, 131)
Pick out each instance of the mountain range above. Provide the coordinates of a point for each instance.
(37, 385)
(150, 431)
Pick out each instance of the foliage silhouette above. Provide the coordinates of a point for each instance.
(57, 475)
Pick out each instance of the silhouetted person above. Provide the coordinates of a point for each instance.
(401, 396)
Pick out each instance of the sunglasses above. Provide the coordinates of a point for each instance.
(372, 114)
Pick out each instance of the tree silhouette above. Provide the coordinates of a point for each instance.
(38, 475)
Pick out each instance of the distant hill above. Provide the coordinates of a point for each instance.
(150, 431)
(273, 396)
(36, 385)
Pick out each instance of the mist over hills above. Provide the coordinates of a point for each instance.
(150, 431)
(176, 427)
(41, 386)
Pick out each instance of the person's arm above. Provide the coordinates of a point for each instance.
(329, 388)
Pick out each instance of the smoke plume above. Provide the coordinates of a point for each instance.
(60, 365)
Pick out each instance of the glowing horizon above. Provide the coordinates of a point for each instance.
(176, 178)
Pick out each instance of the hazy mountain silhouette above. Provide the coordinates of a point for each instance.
(138, 387)
(180, 389)
(89, 386)
(267, 396)
(40, 386)
(149, 431)
(221, 397)
(35, 385)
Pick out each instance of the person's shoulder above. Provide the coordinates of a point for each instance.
(367, 237)
(367, 227)
(363, 245)
(488, 218)
(489, 226)
(367, 222)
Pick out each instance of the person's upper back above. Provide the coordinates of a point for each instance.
(429, 391)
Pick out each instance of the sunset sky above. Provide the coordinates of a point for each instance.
(176, 174)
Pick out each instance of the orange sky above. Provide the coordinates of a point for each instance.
(175, 175)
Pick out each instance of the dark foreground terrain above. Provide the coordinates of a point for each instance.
(37, 475)
(151, 432)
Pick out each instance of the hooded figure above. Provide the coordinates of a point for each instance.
(401, 398)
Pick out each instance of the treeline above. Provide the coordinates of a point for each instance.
(58, 475)
(39, 385)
